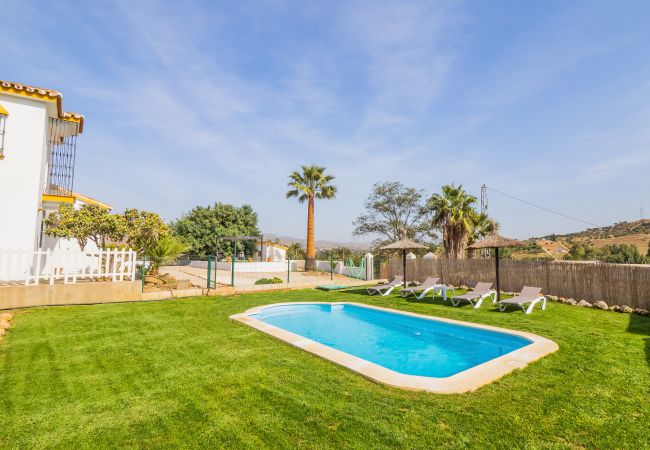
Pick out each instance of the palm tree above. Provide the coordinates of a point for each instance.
(310, 184)
(484, 225)
(454, 213)
(165, 250)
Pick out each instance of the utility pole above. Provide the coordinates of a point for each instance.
(484, 199)
(484, 206)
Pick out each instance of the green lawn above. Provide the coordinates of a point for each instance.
(180, 373)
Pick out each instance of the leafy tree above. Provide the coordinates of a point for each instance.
(583, 251)
(307, 185)
(102, 225)
(341, 254)
(617, 253)
(143, 229)
(203, 225)
(455, 214)
(648, 254)
(296, 251)
(90, 222)
(625, 254)
(165, 249)
(63, 223)
(392, 210)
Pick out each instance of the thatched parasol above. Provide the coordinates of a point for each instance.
(496, 242)
(403, 245)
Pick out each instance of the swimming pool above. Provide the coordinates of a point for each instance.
(399, 348)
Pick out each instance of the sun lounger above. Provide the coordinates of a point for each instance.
(388, 287)
(528, 296)
(429, 284)
(476, 296)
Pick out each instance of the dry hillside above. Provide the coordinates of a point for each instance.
(636, 233)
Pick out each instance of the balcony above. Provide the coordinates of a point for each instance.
(62, 148)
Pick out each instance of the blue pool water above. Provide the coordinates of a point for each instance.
(405, 344)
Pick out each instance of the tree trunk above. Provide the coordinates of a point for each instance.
(310, 261)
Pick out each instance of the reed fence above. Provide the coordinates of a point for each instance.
(615, 284)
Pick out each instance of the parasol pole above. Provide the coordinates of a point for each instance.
(404, 262)
(496, 263)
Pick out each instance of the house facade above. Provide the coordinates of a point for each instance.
(271, 252)
(38, 144)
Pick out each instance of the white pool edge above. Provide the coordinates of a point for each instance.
(466, 381)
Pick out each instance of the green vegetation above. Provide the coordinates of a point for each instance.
(202, 226)
(295, 251)
(307, 185)
(88, 223)
(392, 210)
(341, 254)
(138, 229)
(455, 214)
(165, 250)
(144, 228)
(618, 254)
(274, 280)
(181, 374)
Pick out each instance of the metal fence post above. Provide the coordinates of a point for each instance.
(331, 266)
(209, 270)
(144, 262)
(232, 269)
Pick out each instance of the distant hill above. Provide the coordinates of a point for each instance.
(636, 233)
(321, 244)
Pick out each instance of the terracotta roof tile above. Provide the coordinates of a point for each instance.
(50, 94)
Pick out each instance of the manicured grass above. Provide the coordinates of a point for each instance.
(180, 373)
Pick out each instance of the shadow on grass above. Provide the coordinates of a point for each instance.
(641, 325)
(358, 291)
(436, 300)
(428, 300)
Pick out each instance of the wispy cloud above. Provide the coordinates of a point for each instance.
(197, 102)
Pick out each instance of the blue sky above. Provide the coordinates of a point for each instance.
(188, 103)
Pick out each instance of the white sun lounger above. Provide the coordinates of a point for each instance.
(528, 296)
(430, 284)
(476, 296)
(388, 287)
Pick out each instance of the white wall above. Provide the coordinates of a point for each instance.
(22, 172)
(273, 252)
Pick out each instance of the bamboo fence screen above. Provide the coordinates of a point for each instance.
(615, 284)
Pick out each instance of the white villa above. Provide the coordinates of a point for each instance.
(38, 141)
(271, 252)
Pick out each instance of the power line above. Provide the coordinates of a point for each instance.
(543, 208)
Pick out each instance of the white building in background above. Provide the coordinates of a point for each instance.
(271, 252)
(38, 141)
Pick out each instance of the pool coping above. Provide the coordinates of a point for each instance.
(466, 381)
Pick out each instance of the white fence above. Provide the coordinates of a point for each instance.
(32, 267)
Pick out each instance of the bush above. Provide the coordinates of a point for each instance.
(164, 250)
(274, 280)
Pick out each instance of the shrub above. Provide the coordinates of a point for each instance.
(164, 250)
(274, 280)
